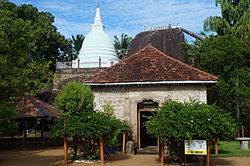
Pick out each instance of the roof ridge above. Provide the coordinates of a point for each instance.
(116, 64)
(184, 63)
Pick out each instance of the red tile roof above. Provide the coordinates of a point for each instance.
(149, 65)
(28, 107)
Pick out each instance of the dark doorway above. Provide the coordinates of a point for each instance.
(146, 139)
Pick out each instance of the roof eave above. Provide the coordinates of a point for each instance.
(152, 83)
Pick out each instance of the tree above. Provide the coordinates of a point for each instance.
(77, 43)
(20, 73)
(234, 19)
(49, 45)
(82, 124)
(175, 122)
(122, 45)
(7, 124)
(226, 57)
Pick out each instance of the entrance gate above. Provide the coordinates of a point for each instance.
(145, 108)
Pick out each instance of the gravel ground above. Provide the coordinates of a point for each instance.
(54, 157)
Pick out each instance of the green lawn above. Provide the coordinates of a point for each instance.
(230, 149)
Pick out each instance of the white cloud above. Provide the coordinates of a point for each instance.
(126, 16)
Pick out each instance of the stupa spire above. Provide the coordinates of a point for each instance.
(98, 19)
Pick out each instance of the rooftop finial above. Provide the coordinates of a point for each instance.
(98, 5)
(149, 42)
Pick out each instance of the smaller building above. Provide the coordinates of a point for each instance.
(30, 109)
(142, 82)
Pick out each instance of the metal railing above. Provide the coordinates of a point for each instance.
(64, 65)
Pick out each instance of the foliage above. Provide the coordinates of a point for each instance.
(234, 19)
(47, 44)
(122, 45)
(108, 109)
(7, 123)
(20, 73)
(82, 124)
(75, 98)
(228, 58)
(77, 43)
(175, 122)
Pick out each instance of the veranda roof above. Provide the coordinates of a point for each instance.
(28, 107)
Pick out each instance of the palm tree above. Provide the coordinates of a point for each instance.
(122, 45)
(77, 43)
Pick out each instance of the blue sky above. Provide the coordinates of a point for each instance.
(125, 16)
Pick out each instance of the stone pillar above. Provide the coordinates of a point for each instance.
(244, 145)
(133, 117)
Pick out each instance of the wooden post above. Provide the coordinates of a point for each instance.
(42, 130)
(101, 151)
(242, 129)
(216, 145)
(123, 145)
(65, 151)
(65, 146)
(239, 133)
(208, 152)
(162, 153)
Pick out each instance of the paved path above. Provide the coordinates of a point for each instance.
(54, 157)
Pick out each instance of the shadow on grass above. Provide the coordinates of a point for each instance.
(224, 152)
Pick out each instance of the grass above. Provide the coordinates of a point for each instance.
(230, 149)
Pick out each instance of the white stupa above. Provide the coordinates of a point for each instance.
(97, 48)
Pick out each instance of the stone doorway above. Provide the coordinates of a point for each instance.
(145, 108)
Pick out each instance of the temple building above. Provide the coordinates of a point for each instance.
(139, 84)
(153, 73)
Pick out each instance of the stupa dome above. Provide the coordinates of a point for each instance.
(97, 48)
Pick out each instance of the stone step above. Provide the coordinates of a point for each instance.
(148, 150)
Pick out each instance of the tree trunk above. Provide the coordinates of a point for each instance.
(213, 148)
(216, 145)
(159, 150)
(162, 153)
(242, 129)
(75, 148)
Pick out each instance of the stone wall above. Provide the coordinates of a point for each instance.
(63, 76)
(125, 98)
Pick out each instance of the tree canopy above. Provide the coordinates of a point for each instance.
(226, 57)
(177, 121)
(234, 19)
(48, 44)
(29, 47)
